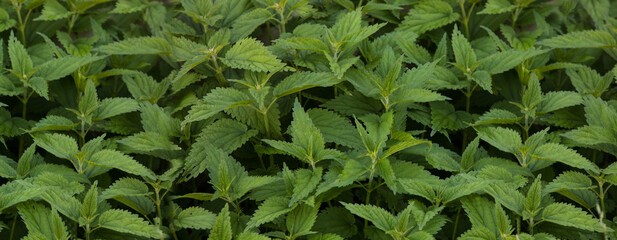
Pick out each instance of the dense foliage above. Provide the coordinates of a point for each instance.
(308, 119)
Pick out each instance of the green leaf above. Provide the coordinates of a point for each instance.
(381, 218)
(468, 157)
(66, 204)
(61, 146)
(227, 134)
(248, 22)
(148, 141)
(497, 7)
(463, 53)
(17, 191)
(567, 215)
(560, 153)
(157, 120)
(504, 139)
(553, 101)
(354, 104)
(195, 218)
(143, 87)
(89, 206)
(20, 60)
(61, 67)
(6, 170)
(600, 113)
(335, 128)
(582, 39)
(587, 81)
(591, 135)
(129, 6)
(404, 95)
(507, 196)
(114, 159)
(5, 23)
(251, 55)
(443, 116)
(125, 187)
(336, 220)
(300, 221)
(534, 197)
(428, 15)
(53, 10)
(304, 43)
(306, 182)
(217, 100)
(480, 213)
(503, 61)
(41, 220)
(478, 233)
(222, 226)
(126, 222)
(147, 45)
(110, 107)
(269, 210)
(26, 161)
(569, 181)
(300, 81)
(418, 188)
(483, 79)
(89, 100)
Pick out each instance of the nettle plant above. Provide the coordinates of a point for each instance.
(308, 119)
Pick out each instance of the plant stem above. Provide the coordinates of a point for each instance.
(24, 109)
(158, 206)
(13, 227)
(466, 16)
(515, 16)
(88, 231)
(369, 189)
(458, 213)
(601, 184)
(173, 232)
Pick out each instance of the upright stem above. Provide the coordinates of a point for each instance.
(515, 16)
(219, 73)
(526, 128)
(88, 231)
(158, 205)
(282, 21)
(466, 16)
(24, 109)
(601, 184)
(13, 227)
(82, 134)
(458, 213)
(173, 232)
(21, 26)
(72, 20)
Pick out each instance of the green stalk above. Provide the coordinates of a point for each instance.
(13, 227)
(458, 213)
(88, 231)
(515, 16)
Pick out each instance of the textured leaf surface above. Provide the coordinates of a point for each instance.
(251, 55)
(582, 39)
(147, 45)
(126, 222)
